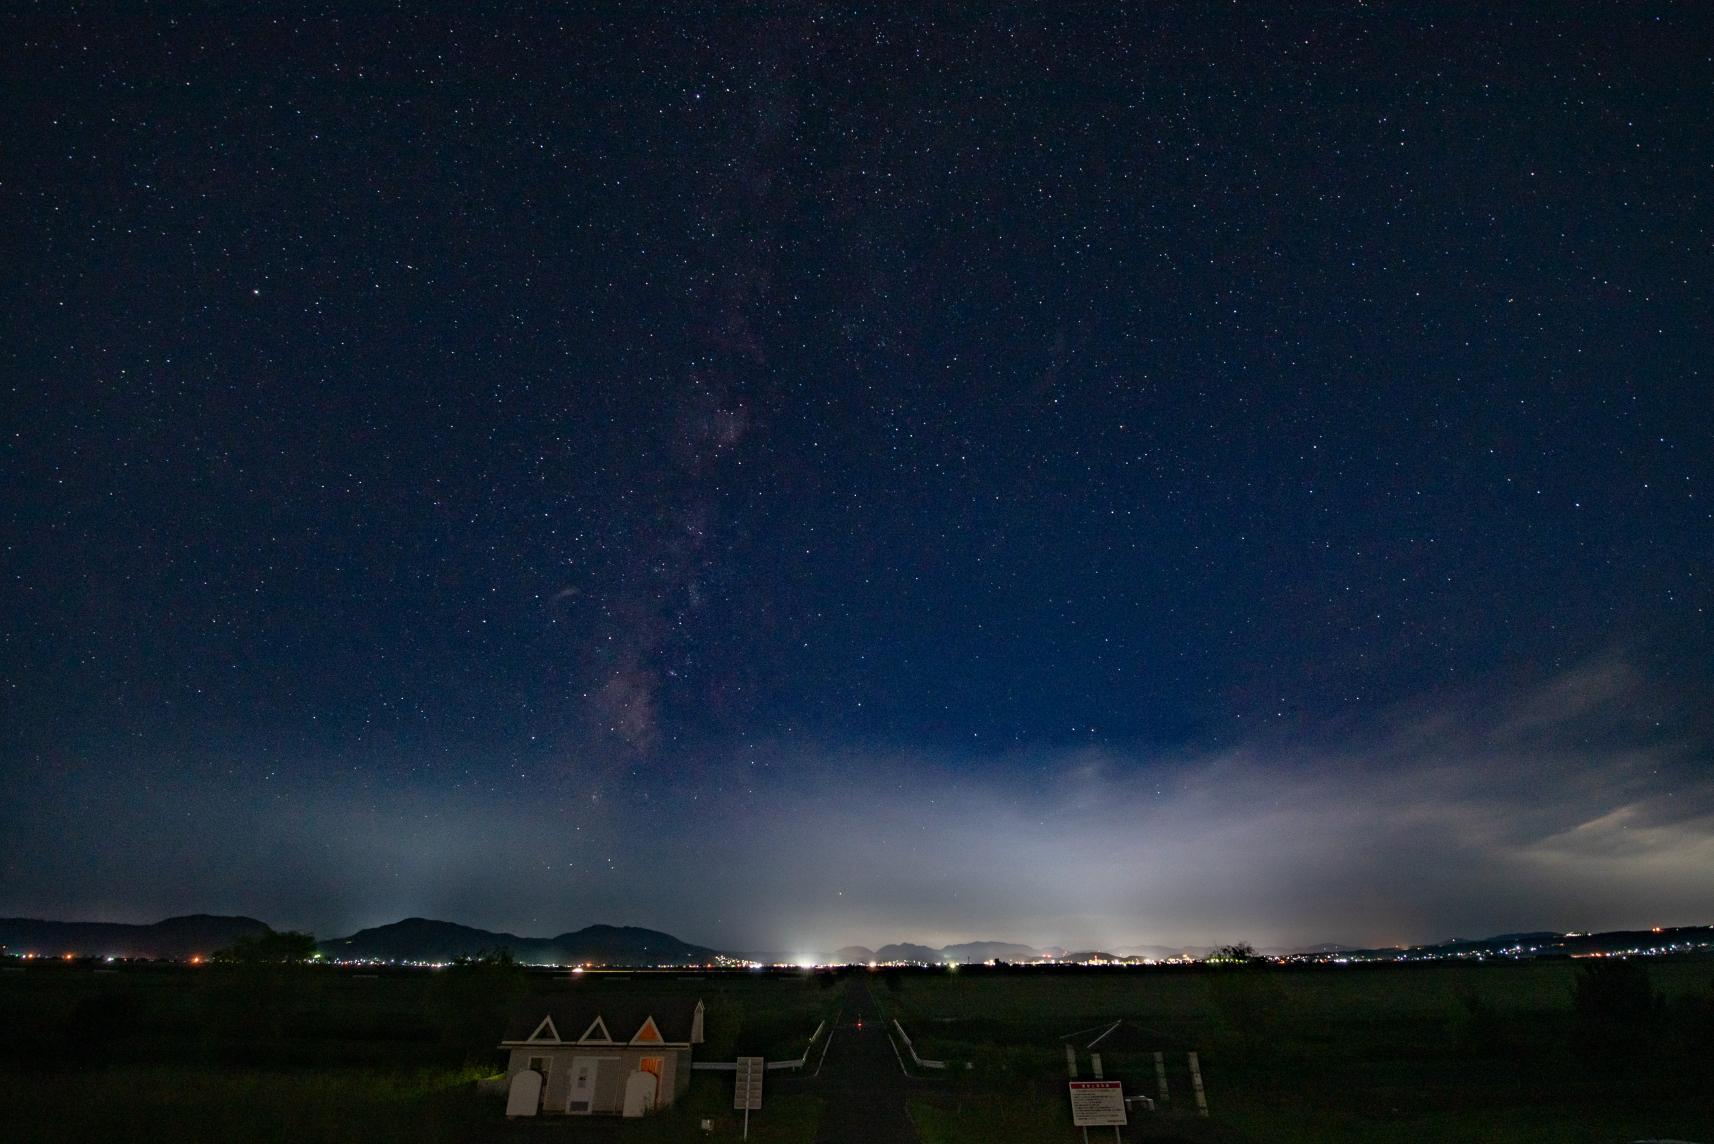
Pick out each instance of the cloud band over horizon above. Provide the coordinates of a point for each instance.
(1578, 802)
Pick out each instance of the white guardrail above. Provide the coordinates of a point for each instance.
(912, 1049)
(732, 1066)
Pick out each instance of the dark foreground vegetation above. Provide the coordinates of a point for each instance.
(1562, 1050)
(303, 1053)
(276, 1051)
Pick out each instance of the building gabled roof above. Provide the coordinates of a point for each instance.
(546, 1030)
(621, 1018)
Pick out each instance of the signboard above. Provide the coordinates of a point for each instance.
(748, 1094)
(1096, 1103)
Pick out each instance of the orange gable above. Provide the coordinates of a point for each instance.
(648, 1034)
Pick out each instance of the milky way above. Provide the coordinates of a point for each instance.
(451, 458)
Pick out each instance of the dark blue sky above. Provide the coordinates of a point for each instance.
(512, 431)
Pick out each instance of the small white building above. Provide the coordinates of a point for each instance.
(586, 1056)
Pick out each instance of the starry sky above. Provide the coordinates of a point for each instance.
(813, 474)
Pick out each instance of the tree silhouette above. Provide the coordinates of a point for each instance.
(289, 948)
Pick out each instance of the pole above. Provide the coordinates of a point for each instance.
(1160, 1075)
(1196, 1083)
(746, 1122)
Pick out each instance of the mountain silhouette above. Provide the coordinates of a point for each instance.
(425, 939)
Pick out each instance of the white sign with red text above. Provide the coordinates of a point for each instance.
(1097, 1103)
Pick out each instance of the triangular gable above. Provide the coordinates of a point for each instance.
(648, 1034)
(589, 1034)
(552, 1034)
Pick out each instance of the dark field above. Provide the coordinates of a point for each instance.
(1419, 1053)
(306, 1054)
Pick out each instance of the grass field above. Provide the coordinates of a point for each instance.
(147, 1052)
(1390, 1053)
(325, 1015)
(218, 1105)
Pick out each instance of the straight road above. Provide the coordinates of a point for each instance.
(861, 1077)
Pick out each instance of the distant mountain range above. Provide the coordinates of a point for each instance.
(851, 955)
(1164, 952)
(977, 952)
(421, 939)
(414, 939)
(176, 938)
(426, 940)
(980, 951)
(1541, 943)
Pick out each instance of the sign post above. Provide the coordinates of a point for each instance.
(748, 1093)
(1097, 1103)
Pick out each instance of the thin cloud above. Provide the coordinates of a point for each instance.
(1552, 806)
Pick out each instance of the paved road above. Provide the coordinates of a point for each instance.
(861, 1079)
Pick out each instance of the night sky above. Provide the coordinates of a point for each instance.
(1087, 475)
